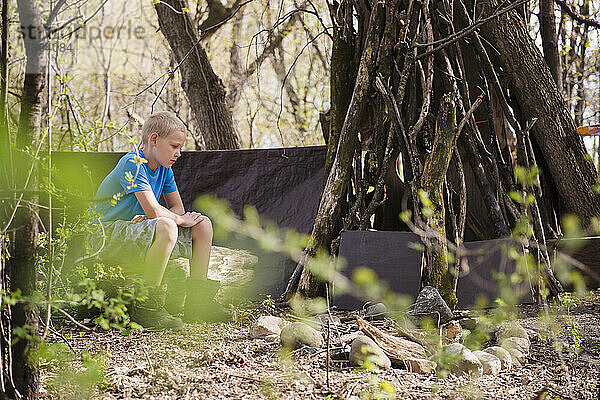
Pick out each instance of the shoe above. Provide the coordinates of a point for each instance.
(200, 304)
(175, 278)
(151, 313)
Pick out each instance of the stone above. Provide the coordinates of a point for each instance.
(511, 329)
(299, 334)
(502, 354)
(420, 365)
(376, 311)
(451, 332)
(266, 325)
(333, 320)
(491, 364)
(516, 356)
(271, 339)
(462, 360)
(516, 343)
(365, 349)
(430, 304)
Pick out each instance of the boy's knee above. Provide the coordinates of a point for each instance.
(166, 229)
(203, 229)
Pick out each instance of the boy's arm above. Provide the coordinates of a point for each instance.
(154, 210)
(174, 202)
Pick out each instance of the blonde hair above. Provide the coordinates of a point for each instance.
(163, 122)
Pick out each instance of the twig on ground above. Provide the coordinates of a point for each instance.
(149, 361)
(73, 320)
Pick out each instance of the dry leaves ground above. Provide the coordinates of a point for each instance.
(221, 361)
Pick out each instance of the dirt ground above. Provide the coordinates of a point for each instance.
(222, 361)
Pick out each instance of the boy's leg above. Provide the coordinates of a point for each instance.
(202, 235)
(165, 237)
(200, 291)
(150, 312)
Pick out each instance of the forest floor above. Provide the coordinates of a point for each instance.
(222, 361)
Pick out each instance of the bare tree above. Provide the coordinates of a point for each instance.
(24, 233)
(204, 89)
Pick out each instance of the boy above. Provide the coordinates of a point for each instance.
(137, 226)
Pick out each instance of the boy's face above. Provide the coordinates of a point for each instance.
(167, 149)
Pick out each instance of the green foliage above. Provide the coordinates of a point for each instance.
(70, 377)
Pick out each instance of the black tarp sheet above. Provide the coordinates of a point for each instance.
(395, 260)
(283, 184)
(391, 255)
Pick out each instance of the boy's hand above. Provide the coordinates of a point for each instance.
(190, 218)
(138, 218)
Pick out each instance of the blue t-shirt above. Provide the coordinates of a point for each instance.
(159, 181)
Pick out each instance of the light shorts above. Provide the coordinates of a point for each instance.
(128, 243)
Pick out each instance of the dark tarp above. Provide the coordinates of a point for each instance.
(284, 185)
(390, 254)
(585, 251)
(393, 257)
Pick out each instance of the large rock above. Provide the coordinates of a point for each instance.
(420, 365)
(491, 364)
(266, 325)
(451, 332)
(299, 334)
(233, 268)
(461, 360)
(511, 329)
(430, 304)
(516, 343)
(365, 349)
(502, 354)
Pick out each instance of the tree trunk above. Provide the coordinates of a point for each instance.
(340, 85)
(328, 214)
(431, 181)
(550, 40)
(204, 89)
(538, 96)
(21, 265)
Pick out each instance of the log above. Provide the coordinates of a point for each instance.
(397, 349)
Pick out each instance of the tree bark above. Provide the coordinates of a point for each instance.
(21, 265)
(204, 89)
(432, 181)
(340, 88)
(328, 214)
(537, 93)
(550, 40)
